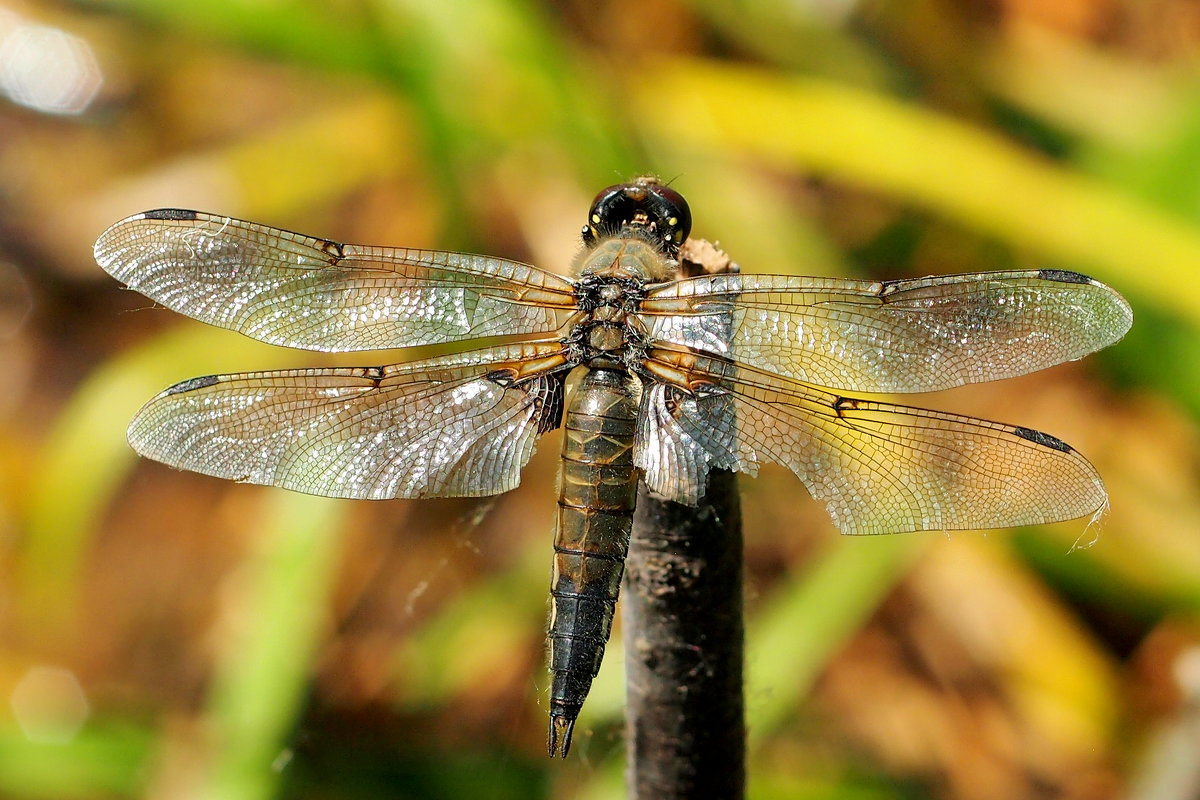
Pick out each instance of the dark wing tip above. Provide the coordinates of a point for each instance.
(171, 214)
(192, 384)
(1044, 439)
(1064, 276)
(1109, 303)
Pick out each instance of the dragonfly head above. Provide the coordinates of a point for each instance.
(644, 203)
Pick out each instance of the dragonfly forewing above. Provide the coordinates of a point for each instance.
(894, 336)
(300, 291)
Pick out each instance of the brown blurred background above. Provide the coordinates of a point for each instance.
(167, 635)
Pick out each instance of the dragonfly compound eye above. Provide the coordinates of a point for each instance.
(645, 203)
(671, 213)
(612, 208)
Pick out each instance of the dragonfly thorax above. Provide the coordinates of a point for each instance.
(608, 332)
(630, 255)
(608, 337)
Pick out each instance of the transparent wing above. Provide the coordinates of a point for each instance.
(879, 468)
(454, 426)
(682, 436)
(299, 291)
(892, 336)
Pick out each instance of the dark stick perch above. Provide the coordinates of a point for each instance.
(682, 607)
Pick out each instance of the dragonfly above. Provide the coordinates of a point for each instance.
(653, 376)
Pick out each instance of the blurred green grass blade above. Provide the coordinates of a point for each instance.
(1164, 169)
(274, 619)
(793, 635)
(313, 33)
(85, 456)
(490, 81)
(458, 648)
(532, 87)
(1160, 352)
(1144, 577)
(790, 637)
(504, 52)
(929, 160)
(607, 781)
(844, 786)
(834, 782)
(486, 77)
(740, 205)
(106, 759)
(329, 154)
(806, 37)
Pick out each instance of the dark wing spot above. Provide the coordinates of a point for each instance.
(333, 248)
(1044, 439)
(501, 377)
(1063, 276)
(845, 404)
(192, 384)
(887, 289)
(170, 213)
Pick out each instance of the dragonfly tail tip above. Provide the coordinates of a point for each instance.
(559, 741)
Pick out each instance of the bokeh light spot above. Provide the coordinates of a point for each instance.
(45, 68)
(49, 705)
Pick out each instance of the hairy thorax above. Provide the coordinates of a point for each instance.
(612, 281)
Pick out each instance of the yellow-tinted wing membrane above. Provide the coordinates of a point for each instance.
(878, 467)
(891, 336)
(453, 426)
(288, 289)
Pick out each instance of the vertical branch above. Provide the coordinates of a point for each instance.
(682, 608)
(683, 630)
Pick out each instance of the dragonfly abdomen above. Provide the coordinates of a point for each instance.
(596, 498)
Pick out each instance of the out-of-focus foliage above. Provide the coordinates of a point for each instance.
(169, 635)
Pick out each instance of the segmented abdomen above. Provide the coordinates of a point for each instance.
(596, 498)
